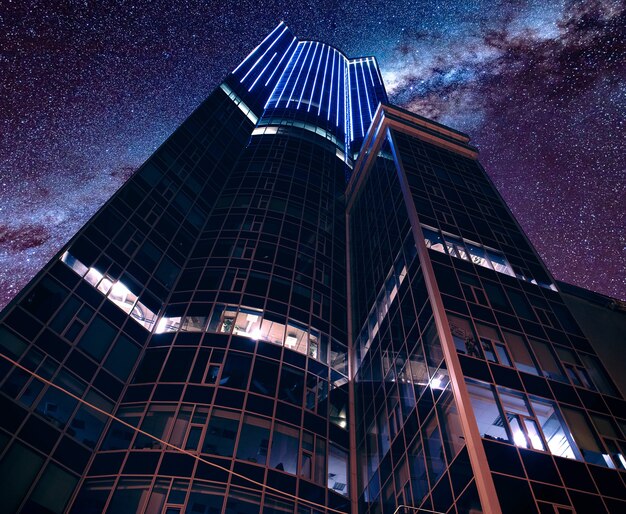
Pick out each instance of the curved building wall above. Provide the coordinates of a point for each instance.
(250, 367)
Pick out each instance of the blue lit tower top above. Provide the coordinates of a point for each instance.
(288, 82)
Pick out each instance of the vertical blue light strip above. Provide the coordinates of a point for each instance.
(281, 60)
(306, 78)
(317, 72)
(369, 69)
(263, 55)
(358, 94)
(262, 71)
(367, 95)
(293, 87)
(321, 100)
(340, 61)
(257, 47)
(299, 50)
(330, 92)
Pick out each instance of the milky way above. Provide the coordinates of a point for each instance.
(88, 90)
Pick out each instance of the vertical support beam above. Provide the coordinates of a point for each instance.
(352, 369)
(473, 441)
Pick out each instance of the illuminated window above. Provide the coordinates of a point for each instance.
(525, 422)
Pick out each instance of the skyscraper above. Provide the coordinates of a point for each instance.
(307, 300)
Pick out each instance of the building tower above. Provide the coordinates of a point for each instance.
(305, 301)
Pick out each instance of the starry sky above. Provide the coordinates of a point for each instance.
(89, 89)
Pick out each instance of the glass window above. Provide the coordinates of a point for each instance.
(97, 338)
(143, 315)
(499, 263)
(157, 422)
(432, 346)
(236, 371)
(434, 450)
(272, 331)
(297, 336)
(338, 470)
(598, 375)
(463, 335)
(547, 361)
(248, 323)
(585, 437)
(433, 240)
(339, 357)
(178, 364)
(478, 255)
(264, 376)
(306, 456)
(88, 423)
(609, 433)
(496, 296)
(128, 496)
(57, 406)
(53, 489)
(193, 323)
(204, 499)
(456, 248)
(487, 413)
(520, 304)
(316, 393)
(193, 439)
(18, 469)
(13, 345)
(254, 439)
(180, 426)
(121, 296)
(122, 358)
(284, 455)
(419, 478)
(320, 461)
(448, 413)
(92, 496)
(243, 502)
(291, 385)
(158, 495)
(221, 433)
(524, 430)
(119, 436)
(223, 319)
(338, 406)
(519, 352)
(555, 433)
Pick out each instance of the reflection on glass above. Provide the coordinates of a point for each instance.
(254, 439)
(555, 432)
(533, 434)
(547, 361)
(338, 470)
(521, 356)
(221, 433)
(503, 355)
(487, 413)
(284, 453)
(478, 256)
(487, 258)
(433, 240)
(296, 337)
(194, 323)
(115, 291)
(585, 436)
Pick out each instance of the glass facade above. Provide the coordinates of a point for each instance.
(305, 301)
